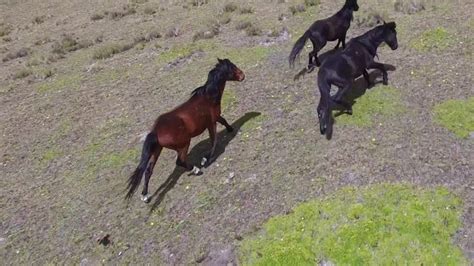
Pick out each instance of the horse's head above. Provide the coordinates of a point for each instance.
(324, 118)
(232, 71)
(352, 4)
(390, 34)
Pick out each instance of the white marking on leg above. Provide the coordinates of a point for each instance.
(145, 198)
(203, 161)
(196, 170)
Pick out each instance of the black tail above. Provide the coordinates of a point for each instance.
(298, 47)
(134, 180)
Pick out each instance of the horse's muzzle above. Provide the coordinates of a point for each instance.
(241, 77)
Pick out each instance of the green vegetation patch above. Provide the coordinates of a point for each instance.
(457, 116)
(377, 225)
(380, 101)
(229, 99)
(436, 39)
(183, 51)
(60, 83)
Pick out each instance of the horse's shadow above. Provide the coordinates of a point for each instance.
(196, 154)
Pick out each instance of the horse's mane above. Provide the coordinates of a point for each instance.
(211, 87)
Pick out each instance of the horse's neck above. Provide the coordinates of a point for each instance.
(372, 42)
(220, 87)
(345, 13)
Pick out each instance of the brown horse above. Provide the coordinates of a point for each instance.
(175, 129)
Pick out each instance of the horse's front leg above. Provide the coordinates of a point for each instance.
(183, 161)
(381, 67)
(212, 135)
(223, 122)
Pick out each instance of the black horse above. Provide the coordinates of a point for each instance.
(322, 31)
(342, 68)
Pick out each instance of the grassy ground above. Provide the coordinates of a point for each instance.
(81, 82)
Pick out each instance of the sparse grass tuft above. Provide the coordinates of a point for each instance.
(39, 19)
(60, 83)
(18, 54)
(435, 39)
(111, 50)
(381, 101)
(4, 29)
(409, 7)
(230, 7)
(69, 44)
(23, 73)
(198, 2)
(297, 9)
(376, 225)
(246, 10)
(368, 18)
(242, 25)
(457, 116)
(312, 2)
(116, 15)
(173, 32)
(253, 30)
(97, 16)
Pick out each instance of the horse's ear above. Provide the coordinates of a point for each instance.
(219, 60)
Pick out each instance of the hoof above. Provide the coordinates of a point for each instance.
(230, 129)
(146, 198)
(310, 69)
(203, 162)
(196, 171)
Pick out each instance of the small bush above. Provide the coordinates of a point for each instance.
(97, 16)
(18, 54)
(230, 7)
(4, 30)
(224, 19)
(147, 37)
(242, 25)
(22, 73)
(69, 44)
(110, 50)
(116, 15)
(199, 2)
(409, 7)
(246, 10)
(39, 19)
(253, 30)
(209, 33)
(368, 18)
(172, 32)
(297, 9)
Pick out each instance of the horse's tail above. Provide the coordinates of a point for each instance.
(298, 47)
(134, 180)
(325, 90)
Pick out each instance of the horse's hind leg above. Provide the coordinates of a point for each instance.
(148, 172)
(212, 135)
(182, 161)
(223, 122)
